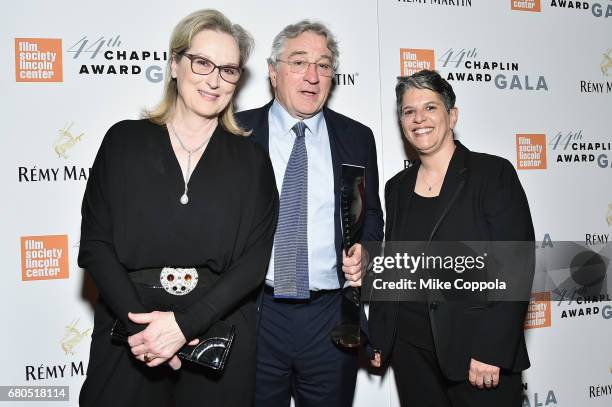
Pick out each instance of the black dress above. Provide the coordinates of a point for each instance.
(132, 219)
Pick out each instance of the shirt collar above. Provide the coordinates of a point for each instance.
(285, 121)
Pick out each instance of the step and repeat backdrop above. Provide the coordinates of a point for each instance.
(534, 85)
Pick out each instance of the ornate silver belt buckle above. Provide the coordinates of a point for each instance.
(178, 281)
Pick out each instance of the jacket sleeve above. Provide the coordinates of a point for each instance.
(97, 253)
(381, 323)
(373, 222)
(508, 219)
(248, 268)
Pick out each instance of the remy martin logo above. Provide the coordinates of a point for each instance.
(606, 63)
(66, 141)
(609, 215)
(72, 337)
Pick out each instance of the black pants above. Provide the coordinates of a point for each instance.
(420, 383)
(116, 379)
(296, 357)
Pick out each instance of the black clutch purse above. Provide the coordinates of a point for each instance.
(210, 352)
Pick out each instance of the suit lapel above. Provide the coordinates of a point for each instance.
(407, 181)
(453, 183)
(261, 130)
(334, 145)
(334, 134)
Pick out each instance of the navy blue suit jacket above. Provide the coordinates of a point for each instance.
(351, 143)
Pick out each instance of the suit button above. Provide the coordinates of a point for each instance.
(433, 305)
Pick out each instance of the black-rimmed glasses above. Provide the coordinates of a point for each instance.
(203, 66)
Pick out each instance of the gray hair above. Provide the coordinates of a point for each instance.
(425, 79)
(294, 30)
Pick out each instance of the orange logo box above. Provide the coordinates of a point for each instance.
(538, 312)
(526, 5)
(44, 257)
(38, 60)
(415, 60)
(531, 151)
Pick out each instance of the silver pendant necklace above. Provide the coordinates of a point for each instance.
(185, 198)
(430, 186)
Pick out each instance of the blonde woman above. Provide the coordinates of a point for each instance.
(182, 189)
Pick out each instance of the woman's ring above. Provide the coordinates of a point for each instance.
(147, 358)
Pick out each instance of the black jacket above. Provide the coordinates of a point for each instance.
(481, 199)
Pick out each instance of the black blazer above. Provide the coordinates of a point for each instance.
(351, 143)
(481, 199)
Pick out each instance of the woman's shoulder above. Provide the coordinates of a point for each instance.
(492, 171)
(248, 160)
(132, 127)
(489, 163)
(401, 176)
(243, 146)
(125, 131)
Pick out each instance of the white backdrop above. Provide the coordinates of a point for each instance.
(556, 83)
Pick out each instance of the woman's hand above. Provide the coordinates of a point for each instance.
(482, 375)
(159, 341)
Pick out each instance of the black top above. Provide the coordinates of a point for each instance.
(416, 220)
(132, 218)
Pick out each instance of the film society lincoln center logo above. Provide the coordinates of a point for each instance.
(526, 5)
(531, 151)
(538, 312)
(415, 60)
(38, 60)
(44, 257)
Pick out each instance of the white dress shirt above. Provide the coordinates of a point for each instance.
(322, 266)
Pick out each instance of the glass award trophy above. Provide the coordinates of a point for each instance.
(352, 195)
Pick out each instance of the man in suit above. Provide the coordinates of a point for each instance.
(308, 143)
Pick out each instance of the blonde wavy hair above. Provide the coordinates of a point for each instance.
(180, 41)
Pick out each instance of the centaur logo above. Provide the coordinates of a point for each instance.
(72, 337)
(606, 63)
(66, 141)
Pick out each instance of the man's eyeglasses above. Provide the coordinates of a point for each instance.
(203, 66)
(300, 66)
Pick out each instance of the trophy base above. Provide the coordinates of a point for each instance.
(347, 336)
